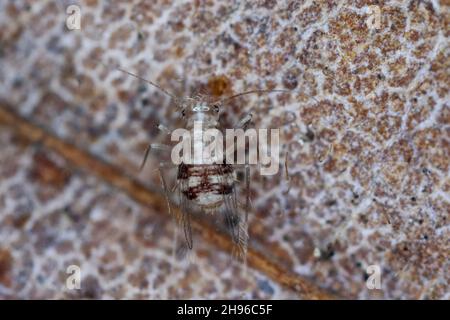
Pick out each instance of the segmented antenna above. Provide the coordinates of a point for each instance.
(154, 84)
(250, 92)
(149, 82)
(177, 99)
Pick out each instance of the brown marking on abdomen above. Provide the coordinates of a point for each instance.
(191, 170)
(206, 186)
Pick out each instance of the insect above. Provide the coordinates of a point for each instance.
(210, 188)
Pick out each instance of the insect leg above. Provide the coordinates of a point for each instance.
(185, 219)
(187, 228)
(243, 225)
(153, 146)
(247, 191)
(156, 146)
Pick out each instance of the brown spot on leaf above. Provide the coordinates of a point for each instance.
(6, 262)
(46, 171)
(219, 85)
(20, 219)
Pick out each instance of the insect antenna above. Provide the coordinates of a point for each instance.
(147, 151)
(149, 82)
(154, 84)
(250, 92)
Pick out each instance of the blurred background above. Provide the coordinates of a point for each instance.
(365, 133)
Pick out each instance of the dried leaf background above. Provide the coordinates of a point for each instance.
(367, 129)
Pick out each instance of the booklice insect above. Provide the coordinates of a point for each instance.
(206, 186)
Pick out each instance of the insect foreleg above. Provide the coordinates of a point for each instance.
(185, 219)
(153, 146)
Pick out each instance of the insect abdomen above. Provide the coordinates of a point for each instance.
(206, 185)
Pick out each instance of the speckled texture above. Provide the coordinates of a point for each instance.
(124, 250)
(366, 127)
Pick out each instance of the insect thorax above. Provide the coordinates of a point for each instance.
(201, 112)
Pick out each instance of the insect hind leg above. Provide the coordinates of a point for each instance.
(184, 219)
